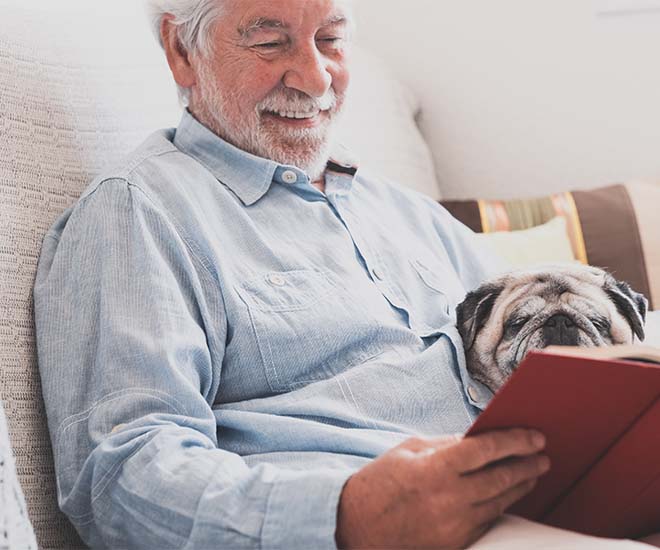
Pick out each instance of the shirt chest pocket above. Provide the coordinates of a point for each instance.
(306, 327)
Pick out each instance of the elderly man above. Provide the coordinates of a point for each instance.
(245, 343)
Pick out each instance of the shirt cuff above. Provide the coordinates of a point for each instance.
(302, 510)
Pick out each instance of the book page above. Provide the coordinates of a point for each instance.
(515, 533)
(631, 352)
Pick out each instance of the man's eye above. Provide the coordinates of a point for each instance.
(332, 40)
(268, 45)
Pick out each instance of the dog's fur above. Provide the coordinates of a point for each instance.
(573, 305)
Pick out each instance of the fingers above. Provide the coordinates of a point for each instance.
(473, 453)
(488, 511)
(497, 479)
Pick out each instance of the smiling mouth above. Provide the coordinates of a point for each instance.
(294, 115)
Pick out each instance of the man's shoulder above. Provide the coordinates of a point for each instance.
(143, 175)
(134, 167)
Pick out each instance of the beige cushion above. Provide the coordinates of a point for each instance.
(545, 243)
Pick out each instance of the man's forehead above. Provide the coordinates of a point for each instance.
(252, 15)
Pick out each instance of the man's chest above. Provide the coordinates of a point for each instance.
(313, 289)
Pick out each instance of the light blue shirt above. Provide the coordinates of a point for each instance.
(222, 345)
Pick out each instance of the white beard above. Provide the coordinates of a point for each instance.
(306, 148)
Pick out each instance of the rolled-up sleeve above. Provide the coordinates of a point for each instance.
(130, 336)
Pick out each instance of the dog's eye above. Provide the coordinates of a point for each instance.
(513, 326)
(602, 325)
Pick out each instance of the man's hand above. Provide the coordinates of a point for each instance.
(439, 493)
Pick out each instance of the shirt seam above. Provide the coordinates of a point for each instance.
(204, 262)
(177, 227)
(81, 416)
(267, 512)
(199, 259)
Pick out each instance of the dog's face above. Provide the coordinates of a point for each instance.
(563, 305)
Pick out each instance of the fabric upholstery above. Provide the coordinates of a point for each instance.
(614, 227)
(63, 110)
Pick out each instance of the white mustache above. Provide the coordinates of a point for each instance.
(281, 101)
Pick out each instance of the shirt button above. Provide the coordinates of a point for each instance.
(289, 176)
(472, 392)
(276, 280)
(378, 274)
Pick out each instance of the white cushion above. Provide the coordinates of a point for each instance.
(380, 127)
(652, 329)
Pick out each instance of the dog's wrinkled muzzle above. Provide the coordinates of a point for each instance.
(560, 330)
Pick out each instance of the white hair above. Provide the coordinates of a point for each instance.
(193, 19)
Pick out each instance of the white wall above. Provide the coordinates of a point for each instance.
(525, 97)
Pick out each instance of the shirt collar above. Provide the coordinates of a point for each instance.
(247, 175)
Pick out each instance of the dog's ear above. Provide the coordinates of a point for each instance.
(632, 305)
(473, 312)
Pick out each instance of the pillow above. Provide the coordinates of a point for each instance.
(380, 129)
(652, 329)
(17, 530)
(547, 243)
(81, 83)
(616, 228)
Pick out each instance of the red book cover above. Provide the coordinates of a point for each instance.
(601, 418)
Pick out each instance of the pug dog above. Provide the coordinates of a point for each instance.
(563, 305)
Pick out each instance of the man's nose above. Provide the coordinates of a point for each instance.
(308, 72)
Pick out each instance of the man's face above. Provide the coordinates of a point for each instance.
(276, 80)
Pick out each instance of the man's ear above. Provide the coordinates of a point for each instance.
(473, 312)
(177, 57)
(632, 305)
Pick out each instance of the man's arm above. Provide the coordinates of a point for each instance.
(131, 333)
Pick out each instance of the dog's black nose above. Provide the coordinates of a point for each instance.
(560, 320)
(560, 330)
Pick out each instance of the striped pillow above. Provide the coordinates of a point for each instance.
(616, 227)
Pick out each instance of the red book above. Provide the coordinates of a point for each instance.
(599, 409)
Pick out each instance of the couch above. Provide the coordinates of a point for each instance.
(81, 83)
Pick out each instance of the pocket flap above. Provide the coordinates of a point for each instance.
(286, 290)
(432, 276)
